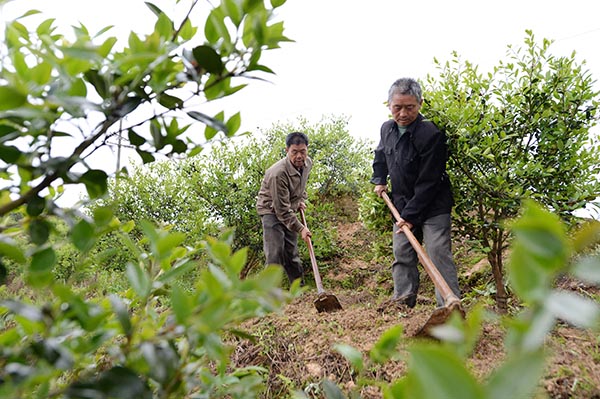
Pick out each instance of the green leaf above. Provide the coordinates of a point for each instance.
(540, 250)
(233, 124)
(588, 269)
(118, 382)
(187, 30)
(146, 156)
(518, 376)
(122, 314)
(78, 88)
(43, 261)
(208, 59)
(106, 47)
(352, 355)
(45, 28)
(166, 245)
(154, 8)
(181, 303)
(587, 237)
(277, 3)
(164, 26)
(209, 121)
(238, 260)
(386, 346)
(99, 83)
(441, 374)
(41, 73)
(215, 28)
(332, 391)
(29, 312)
(83, 236)
(36, 206)
(139, 279)
(135, 139)
(11, 98)
(234, 10)
(3, 273)
(9, 337)
(177, 271)
(170, 102)
(95, 181)
(39, 231)
(9, 154)
(573, 308)
(103, 215)
(10, 249)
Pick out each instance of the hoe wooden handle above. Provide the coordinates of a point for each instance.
(313, 259)
(433, 272)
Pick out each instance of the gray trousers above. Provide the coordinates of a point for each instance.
(435, 233)
(281, 247)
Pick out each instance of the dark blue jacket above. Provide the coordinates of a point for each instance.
(416, 165)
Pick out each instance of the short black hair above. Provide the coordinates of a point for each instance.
(296, 138)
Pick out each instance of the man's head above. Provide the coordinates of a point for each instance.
(405, 99)
(296, 148)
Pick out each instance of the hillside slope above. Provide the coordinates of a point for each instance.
(296, 346)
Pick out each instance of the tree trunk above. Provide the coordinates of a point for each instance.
(495, 259)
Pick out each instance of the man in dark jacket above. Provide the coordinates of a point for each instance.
(412, 151)
(282, 194)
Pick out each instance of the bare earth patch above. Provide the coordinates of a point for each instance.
(296, 346)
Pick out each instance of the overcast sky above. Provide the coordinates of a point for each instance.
(347, 52)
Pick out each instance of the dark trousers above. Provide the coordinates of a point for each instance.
(281, 247)
(435, 232)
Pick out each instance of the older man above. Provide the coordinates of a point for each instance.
(412, 151)
(282, 194)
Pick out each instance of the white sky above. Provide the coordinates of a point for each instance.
(347, 52)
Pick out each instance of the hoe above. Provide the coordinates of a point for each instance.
(325, 302)
(451, 301)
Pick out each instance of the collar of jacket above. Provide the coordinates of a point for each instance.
(410, 129)
(291, 169)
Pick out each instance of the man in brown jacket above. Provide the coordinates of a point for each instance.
(282, 194)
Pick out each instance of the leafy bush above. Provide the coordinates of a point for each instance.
(523, 131)
(212, 191)
(153, 340)
(541, 253)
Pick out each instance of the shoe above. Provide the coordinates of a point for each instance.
(408, 300)
(397, 304)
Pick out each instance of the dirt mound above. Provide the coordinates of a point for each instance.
(297, 345)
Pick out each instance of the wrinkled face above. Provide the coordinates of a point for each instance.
(297, 154)
(405, 108)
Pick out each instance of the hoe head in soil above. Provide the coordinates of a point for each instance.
(438, 317)
(327, 303)
(324, 302)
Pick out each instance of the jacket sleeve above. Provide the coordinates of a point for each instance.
(380, 169)
(432, 167)
(280, 192)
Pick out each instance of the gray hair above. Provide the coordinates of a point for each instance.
(405, 86)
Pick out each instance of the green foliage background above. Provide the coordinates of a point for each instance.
(133, 296)
(217, 189)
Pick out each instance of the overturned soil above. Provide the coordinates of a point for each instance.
(296, 346)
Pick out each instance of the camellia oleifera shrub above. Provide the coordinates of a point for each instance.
(217, 189)
(543, 251)
(79, 92)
